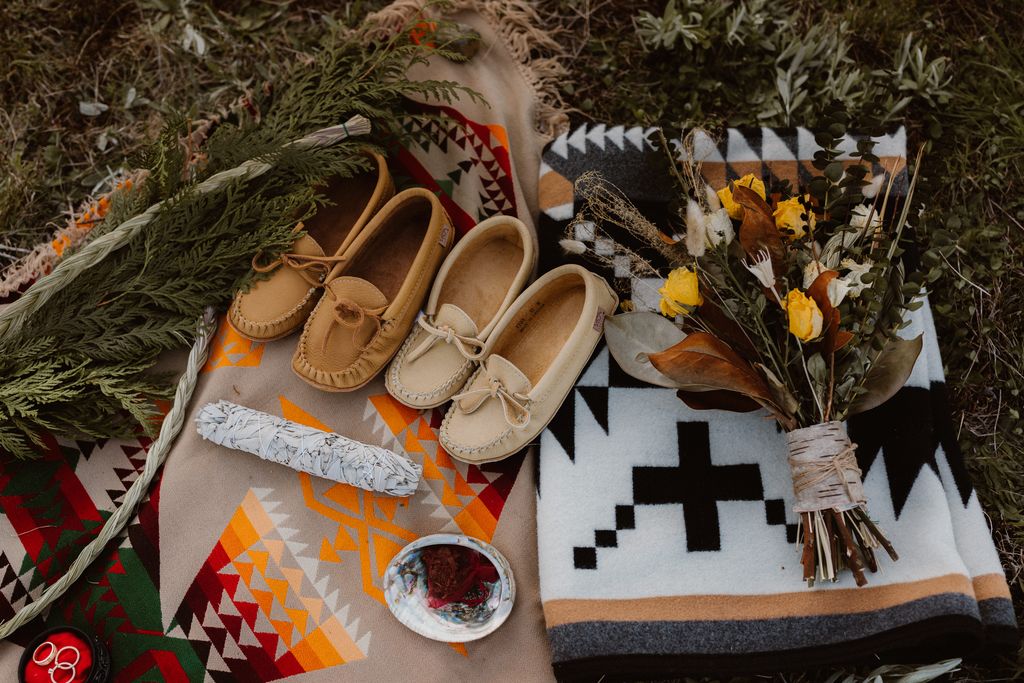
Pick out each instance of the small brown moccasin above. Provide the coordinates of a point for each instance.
(277, 306)
(372, 296)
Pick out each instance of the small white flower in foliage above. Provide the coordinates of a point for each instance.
(761, 268)
(719, 228)
(696, 229)
(874, 186)
(811, 272)
(859, 217)
(837, 290)
(854, 276)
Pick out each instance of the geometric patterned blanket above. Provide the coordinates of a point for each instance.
(238, 569)
(666, 534)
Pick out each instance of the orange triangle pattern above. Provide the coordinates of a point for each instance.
(345, 495)
(230, 349)
(327, 553)
(292, 412)
(279, 587)
(344, 540)
(260, 558)
(383, 550)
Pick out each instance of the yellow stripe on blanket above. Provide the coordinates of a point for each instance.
(780, 605)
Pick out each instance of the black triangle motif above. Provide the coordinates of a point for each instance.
(947, 439)
(903, 431)
(563, 426)
(755, 140)
(596, 399)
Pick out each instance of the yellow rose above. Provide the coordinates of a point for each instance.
(680, 294)
(805, 318)
(725, 194)
(794, 217)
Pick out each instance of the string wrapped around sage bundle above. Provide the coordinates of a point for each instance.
(323, 454)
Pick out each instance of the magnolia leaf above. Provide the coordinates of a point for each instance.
(817, 369)
(757, 230)
(819, 290)
(781, 394)
(887, 374)
(718, 400)
(749, 199)
(632, 336)
(726, 328)
(702, 362)
(833, 338)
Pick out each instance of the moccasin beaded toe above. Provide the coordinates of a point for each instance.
(374, 293)
(477, 283)
(532, 359)
(278, 305)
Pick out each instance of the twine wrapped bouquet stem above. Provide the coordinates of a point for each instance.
(835, 528)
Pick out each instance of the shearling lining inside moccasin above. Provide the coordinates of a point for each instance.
(388, 256)
(542, 326)
(348, 198)
(481, 277)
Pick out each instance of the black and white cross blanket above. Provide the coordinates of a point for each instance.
(666, 534)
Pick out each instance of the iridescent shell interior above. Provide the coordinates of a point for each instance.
(405, 591)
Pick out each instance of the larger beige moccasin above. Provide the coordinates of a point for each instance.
(534, 356)
(373, 295)
(477, 283)
(277, 306)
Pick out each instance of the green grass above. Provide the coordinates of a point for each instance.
(709, 68)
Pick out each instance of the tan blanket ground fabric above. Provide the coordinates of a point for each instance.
(238, 569)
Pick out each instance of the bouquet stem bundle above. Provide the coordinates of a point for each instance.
(835, 529)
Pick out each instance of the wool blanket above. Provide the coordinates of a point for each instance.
(239, 569)
(666, 535)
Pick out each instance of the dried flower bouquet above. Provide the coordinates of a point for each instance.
(781, 299)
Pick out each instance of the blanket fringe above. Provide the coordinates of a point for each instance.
(42, 259)
(538, 56)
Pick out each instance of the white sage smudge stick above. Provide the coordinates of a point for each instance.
(302, 448)
(835, 528)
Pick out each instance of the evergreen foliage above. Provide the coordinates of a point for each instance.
(82, 364)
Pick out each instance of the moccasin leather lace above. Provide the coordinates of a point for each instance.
(469, 347)
(351, 314)
(301, 264)
(512, 403)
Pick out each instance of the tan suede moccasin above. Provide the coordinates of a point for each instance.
(277, 306)
(477, 283)
(532, 360)
(373, 295)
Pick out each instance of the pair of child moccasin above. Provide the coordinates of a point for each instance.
(354, 282)
(505, 354)
(506, 357)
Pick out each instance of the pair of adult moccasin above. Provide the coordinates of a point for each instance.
(507, 358)
(354, 282)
